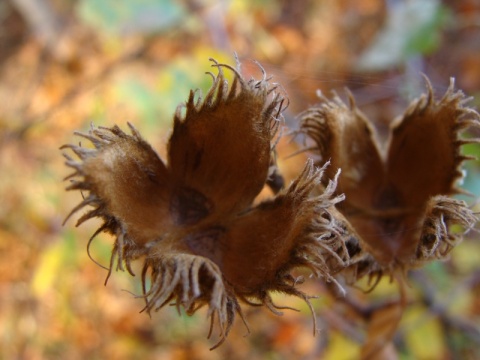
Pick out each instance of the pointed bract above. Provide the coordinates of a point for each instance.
(222, 146)
(127, 180)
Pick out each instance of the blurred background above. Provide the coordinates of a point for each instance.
(67, 63)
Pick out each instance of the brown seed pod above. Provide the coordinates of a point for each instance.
(398, 195)
(193, 221)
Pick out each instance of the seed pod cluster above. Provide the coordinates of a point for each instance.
(192, 220)
(398, 195)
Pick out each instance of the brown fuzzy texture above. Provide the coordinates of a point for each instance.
(193, 221)
(398, 202)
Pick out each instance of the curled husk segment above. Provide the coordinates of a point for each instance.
(399, 203)
(306, 235)
(190, 281)
(437, 239)
(127, 183)
(226, 138)
(192, 220)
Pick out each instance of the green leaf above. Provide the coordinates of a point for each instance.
(140, 96)
(52, 261)
(412, 27)
(341, 347)
(423, 334)
(471, 181)
(426, 38)
(125, 17)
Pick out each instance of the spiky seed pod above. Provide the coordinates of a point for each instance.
(398, 194)
(193, 220)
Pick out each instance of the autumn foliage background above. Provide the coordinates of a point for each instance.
(110, 62)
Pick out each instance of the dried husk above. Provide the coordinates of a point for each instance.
(399, 210)
(192, 221)
(399, 202)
